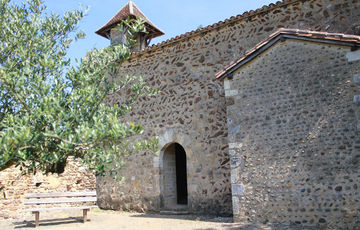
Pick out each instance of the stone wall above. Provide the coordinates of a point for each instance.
(169, 167)
(14, 186)
(191, 108)
(294, 143)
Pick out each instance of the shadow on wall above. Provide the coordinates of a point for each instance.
(151, 205)
(124, 202)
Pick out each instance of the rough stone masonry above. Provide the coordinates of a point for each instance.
(292, 125)
(279, 145)
(297, 164)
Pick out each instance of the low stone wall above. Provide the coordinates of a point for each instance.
(14, 186)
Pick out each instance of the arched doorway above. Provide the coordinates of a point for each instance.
(174, 177)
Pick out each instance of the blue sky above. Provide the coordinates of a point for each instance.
(173, 17)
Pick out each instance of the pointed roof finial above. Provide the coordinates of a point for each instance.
(132, 11)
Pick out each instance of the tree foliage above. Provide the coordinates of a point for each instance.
(51, 110)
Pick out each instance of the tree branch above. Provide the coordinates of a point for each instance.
(7, 164)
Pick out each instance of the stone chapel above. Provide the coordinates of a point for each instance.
(258, 117)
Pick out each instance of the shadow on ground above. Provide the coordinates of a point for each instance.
(226, 222)
(49, 222)
(239, 226)
(214, 219)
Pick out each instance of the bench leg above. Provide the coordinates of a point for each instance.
(37, 217)
(85, 214)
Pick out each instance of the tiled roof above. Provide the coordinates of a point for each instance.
(132, 11)
(245, 15)
(334, 38)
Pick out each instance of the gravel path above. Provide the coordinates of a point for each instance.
(112, 220)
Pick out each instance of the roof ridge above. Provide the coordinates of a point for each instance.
(131, 7)
(112, 18)
(147, 19)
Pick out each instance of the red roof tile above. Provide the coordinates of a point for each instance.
(337, 38)
(132, 11)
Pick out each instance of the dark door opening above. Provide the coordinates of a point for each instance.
(181, 181)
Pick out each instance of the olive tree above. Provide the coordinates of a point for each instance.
(51, 110)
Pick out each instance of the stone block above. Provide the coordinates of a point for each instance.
(232, 152)
(192, 188)
(235, 145)
(231, 93)
(234, 176)
(166, 137)
(235, 162)
(234, 129)
(156, 162)
(353, 56)
(237, 189)
(235, 203)
(226, 84)
(356, 78)
(357, 99)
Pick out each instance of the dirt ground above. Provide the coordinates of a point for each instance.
(112, 220)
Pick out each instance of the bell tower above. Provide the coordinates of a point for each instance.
(130, 10)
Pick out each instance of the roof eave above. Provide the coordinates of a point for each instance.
(156, 31)
(130, 12)
(282, 35)
(217, 25)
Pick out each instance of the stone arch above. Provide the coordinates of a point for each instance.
(173, 176)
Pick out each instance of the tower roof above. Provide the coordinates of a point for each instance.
(132, 11)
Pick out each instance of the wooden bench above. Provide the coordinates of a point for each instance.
(41, 199)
